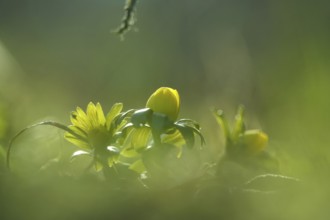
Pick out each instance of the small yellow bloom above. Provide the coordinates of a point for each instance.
(166, 101)
(254, 140)
(92, 127)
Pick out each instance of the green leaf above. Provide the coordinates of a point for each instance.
(198, 132)
(187, 133)
(190, 122)
(193, 128)
(222, 121)
(160, 123)
(239, 123)
(141, 117)
(120, 117)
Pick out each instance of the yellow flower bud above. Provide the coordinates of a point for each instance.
(254, 140)
(165, 100)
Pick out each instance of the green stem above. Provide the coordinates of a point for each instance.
(155, 137)
(51, 123)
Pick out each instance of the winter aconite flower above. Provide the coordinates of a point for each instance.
(166, 101)
(94, 132)
(240, 141)
(157, 128)
(245, 146)
(92, 125)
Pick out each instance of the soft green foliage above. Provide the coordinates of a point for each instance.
(143, 140)
(127, 139)
(245, 146)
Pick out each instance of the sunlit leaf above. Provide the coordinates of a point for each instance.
(220, 118)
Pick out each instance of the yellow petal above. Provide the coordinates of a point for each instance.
(78, 131)
(80, 119)
(140, 138)
(92, 115)
(255, 141)
(76, 141)
(100, 114)
(165, 100)
(114, 111)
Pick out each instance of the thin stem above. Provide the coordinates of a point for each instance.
(156, 137)
(51, 123)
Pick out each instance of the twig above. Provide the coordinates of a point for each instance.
(128, 19)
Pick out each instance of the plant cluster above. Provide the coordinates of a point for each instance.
(134, 144)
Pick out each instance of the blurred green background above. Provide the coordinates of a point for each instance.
(271, 56)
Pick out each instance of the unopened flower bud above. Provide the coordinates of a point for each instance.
(166, 101)
(254, 140)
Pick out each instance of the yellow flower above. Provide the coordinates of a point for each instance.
(166, 101)
(93, 129)
(254, 140)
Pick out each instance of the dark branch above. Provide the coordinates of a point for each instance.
(128, 19)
